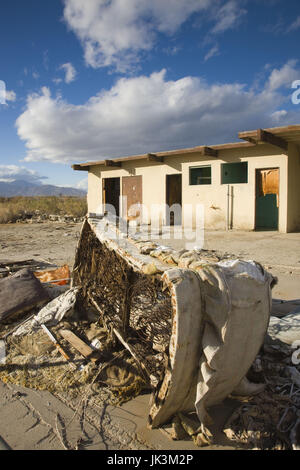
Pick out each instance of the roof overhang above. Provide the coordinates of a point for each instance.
(277, 136)
(151, 157)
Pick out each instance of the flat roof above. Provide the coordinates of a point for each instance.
(277, 136)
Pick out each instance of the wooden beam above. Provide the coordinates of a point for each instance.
(80, 168)
(249, 139)
(78, 344)
(272, 139)
(154, 158)
(112, 163)
(209, 152)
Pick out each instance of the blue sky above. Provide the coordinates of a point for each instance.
(92, 79)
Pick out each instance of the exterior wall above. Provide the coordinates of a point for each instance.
(293, 212)
(214, 196)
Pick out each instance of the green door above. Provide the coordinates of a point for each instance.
(267, 193)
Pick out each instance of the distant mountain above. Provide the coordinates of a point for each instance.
(24, 188)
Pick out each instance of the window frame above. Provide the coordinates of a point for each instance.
(245, 164)
(205, 177)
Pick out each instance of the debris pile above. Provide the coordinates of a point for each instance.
(38, 217)
(189, 326)
(271, 420)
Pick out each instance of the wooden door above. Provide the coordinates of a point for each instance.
(132, 188)
(267, 199)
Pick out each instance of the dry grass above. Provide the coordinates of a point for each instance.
(12, 209)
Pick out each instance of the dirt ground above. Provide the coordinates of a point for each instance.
(56, 243)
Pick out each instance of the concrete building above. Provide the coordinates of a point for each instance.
(249, 185)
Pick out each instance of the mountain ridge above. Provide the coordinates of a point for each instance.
(25, 188)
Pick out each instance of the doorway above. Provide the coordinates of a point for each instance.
(174, 198)
(111, 194)
(267, 199)
(132, 189)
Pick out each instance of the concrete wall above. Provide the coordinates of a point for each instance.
(214, 196)
(293, 215)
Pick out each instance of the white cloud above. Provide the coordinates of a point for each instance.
(279, 115)
(83, 184)
(214, 51)
(145, 114)
(228, 16)
(114, 32)
(9, 173)
(10, 95)
(284, 76)
(70, 72)
(295, 25)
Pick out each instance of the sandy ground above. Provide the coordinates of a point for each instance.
(56, 243)
(28, 419)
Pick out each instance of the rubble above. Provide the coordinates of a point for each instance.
(190, 326)
(38, 217)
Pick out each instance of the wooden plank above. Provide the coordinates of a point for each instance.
(209, 152)
(154, 158)
(80, 168)
(112, 163)
(269, 138)
(77, 343)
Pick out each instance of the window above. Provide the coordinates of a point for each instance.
(200, 175)
(234, 173)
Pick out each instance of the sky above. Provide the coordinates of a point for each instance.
(84, 80)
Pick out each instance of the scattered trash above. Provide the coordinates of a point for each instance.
(9, 267)
(52, 313)
(59, 276)
(78, 344)
(19, 293)
(281, 308)
(286, 329)
(143, 317)
(2, 352)
(54, 340)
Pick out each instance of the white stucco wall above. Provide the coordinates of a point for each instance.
(214, 196)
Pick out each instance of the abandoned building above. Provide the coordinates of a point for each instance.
(247, 185)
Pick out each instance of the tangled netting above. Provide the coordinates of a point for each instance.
(131, 301)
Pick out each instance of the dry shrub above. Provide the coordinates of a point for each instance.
(14, 208)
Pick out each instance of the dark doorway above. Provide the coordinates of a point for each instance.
(174, 198)
(111, 194)
(132, 189)
(267, 199)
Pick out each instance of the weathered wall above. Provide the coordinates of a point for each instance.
(214, 196)
(293, 213)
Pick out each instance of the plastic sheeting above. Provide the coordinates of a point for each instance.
(52, 313)
(285, 329)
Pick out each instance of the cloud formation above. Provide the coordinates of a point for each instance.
(70, 72)
(116, 33)
(151, 113)
(10, 95)
(10, 173)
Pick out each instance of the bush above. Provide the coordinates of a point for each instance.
(12, 209)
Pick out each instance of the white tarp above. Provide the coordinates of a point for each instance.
(52, 313)
(285, 329)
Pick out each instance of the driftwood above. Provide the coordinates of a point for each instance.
(118, 334)
(78, 344)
